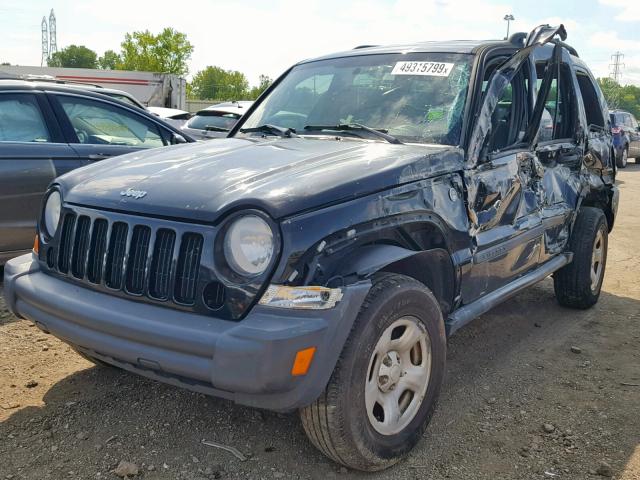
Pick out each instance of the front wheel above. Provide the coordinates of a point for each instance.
(578, 284)
(384, 388)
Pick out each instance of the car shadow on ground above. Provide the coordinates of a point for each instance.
(100, 415)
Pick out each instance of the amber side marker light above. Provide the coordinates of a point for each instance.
(36, 245)
(303, 361)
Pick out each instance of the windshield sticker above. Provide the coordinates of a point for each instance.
(436, 69)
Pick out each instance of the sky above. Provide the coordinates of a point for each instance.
(267, 36)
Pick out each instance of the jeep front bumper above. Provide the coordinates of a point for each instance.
(248, 361)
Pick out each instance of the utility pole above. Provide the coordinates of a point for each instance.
(616, 66)
(508, 18)
(45, 43)
(53, 42)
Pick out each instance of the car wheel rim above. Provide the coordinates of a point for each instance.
(398, 375)
(597, 257)
(625, 157)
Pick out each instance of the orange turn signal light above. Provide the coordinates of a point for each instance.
(303, 361)
(36, 245)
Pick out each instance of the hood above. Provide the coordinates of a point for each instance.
(282, 176)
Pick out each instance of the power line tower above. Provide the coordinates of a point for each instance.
(53, 43)
(45, 43)
(616, 66)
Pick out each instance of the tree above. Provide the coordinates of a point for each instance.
(167, 52)
(264, 83)
(621, 97)
(110, 60)
(74, 56)
(215, 83)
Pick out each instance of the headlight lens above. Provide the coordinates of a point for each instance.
(248, 245)
(52, 213)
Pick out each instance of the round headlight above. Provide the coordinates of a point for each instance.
(248, 245)
(52, 213)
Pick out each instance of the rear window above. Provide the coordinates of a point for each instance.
(212, 120)
(21, 119)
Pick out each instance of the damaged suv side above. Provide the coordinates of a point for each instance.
(367, 206)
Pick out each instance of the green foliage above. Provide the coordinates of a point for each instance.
(167, 52)
(215, 83)
(74, 56)
(5, 64)
(110, 60)
(255, 92)
(620, 97)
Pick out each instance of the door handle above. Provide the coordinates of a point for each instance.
(98, 156)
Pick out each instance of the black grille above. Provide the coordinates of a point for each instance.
(134, 259)
(80, 246)
(64, 252)
(188, 262)
(97, 250)
(115, 256)
(161, 264)
(138, 259)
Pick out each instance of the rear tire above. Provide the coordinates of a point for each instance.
(578, 284)
(394, 356)
(622, 160)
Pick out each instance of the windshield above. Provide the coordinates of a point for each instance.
(416, 97)
(207, 119)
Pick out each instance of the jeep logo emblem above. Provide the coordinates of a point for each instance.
(129, 192)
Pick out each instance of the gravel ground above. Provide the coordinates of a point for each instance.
(532, 391)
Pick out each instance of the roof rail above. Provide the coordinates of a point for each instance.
(47, 78)
(572, 50)
(364, 46)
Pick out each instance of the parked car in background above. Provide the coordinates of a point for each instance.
(216, 121)
(175, 117)
(150, 88)
(626, 136)
(110, 92)
(47, 130)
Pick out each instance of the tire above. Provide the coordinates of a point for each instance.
(339, 423)
(622, 160)
(574, 284)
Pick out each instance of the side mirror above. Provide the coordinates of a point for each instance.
(177, 139)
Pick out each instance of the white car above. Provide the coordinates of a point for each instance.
(215, 121)
(174, 116)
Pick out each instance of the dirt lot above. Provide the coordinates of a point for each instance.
(518, 401)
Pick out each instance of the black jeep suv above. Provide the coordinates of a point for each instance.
(370, 204)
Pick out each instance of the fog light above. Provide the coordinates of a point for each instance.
(313, 298)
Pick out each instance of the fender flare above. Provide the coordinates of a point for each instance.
(441, 279)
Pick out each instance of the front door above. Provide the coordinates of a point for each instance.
(98, 129)
(504, 176)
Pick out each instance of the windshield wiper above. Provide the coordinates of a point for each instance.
(272, 129)
(213, 128)
(355, 127)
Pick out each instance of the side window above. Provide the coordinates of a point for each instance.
(21, 119)
(558, 117)
(590, 101)
(511, 115)
(99, 123)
